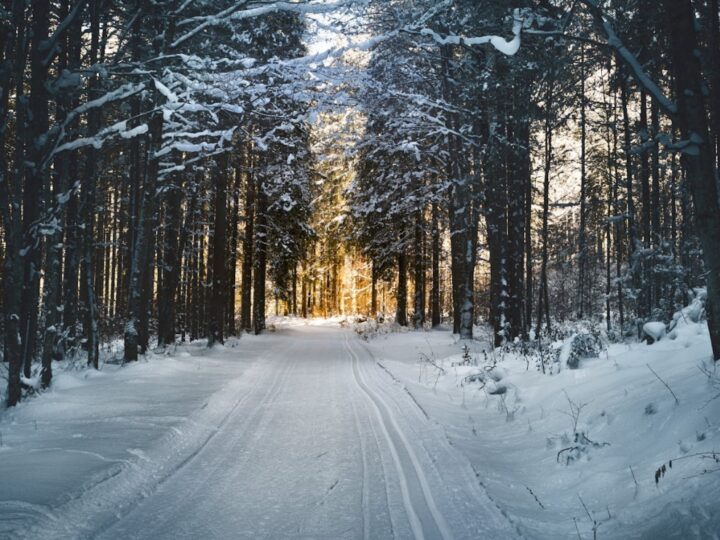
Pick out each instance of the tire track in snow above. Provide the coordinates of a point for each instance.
(116, 495)
(398, 444)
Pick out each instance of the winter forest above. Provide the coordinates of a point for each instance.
(360, 269)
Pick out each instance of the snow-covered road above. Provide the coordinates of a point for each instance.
(315, 440)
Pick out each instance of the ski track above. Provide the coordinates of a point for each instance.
(441, 444)
(314, 440)
(397, 441)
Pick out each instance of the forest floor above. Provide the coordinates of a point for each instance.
(312, 432)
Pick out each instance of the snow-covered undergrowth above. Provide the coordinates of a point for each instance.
(368, 328)
(583, 450)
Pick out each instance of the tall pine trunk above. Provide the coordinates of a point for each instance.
(543, 309)
(435, 315)
(219, 262)
(401, 298)
(260, 256)
(419, 273)
(698, 157)
(173, 246)
(248, 263)
(35, 180)
(11, 193)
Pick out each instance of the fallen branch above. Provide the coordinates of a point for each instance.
(557, 459)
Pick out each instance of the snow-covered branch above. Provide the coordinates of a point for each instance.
(506, 47)
(235, 14)
(614, 41)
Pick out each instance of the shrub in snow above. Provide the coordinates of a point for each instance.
(370, 328)
(467, 360)
(579, 347)
(653, 331)
(580, 449)
(691, 314)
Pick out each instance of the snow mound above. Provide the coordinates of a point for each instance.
(654, 331)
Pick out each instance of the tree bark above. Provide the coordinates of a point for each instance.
(543, 307)
(90, 326)
(260, 256)
(142, 252)
(11, 194)
(419, 273)
(248, 263)
(173, 245)
(401, 304)
(582, 241)
(35, 180)
(435, 293)
(697, 157)
(219, 278)
(233, 247)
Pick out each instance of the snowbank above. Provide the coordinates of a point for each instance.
(59, 450)
(580, 448)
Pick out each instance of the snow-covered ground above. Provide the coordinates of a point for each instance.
(312, 432)
(92, 427)
(518, 428)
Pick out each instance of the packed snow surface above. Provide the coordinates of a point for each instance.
(312, 432)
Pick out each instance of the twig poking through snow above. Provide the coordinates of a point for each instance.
(576, 528)
(634, 480)
(594, 521)
(677, 401)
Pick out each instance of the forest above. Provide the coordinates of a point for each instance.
(240, 238)
(169, 167)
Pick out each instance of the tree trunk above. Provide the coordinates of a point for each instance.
(373, 292)
(248, 263)
(232, 259)
(697, 157)
(630, 212)
(518, 174)
(173, 247)
(645, 306)
(582, 241)
(528, 201)
(543, 307)
(714, 45)
(90, 325)
(52, 349)
(10, 191)
(142, 252)
(260, 255)
(656, 234)
(419, 273)
(401, 305)
(35, 180)
(435, 294)
(219, 278)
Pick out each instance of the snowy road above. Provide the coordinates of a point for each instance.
(322, 443)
